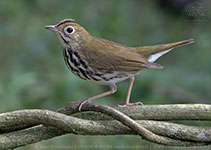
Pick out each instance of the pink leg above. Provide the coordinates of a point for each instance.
(127, 103)
(113, 90)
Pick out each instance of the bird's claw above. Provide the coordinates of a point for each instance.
(131, 104)
(82, 103)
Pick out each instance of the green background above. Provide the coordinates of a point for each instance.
(33, 74)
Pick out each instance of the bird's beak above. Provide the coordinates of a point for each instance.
(51, 27)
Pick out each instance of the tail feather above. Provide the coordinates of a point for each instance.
(156, 66)
(152, 53)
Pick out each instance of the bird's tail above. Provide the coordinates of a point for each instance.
(152, 53)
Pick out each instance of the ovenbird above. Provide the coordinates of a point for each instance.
(103, 61)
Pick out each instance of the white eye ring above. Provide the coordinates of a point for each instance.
(69, 30)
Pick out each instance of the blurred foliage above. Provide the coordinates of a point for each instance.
(33, 74)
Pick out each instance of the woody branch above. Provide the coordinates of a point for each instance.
(24, 127)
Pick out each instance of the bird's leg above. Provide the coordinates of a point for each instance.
(127, 103)
(113, 90)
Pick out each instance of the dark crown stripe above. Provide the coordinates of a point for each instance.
(65, 21)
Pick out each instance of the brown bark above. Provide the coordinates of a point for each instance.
(24, 127)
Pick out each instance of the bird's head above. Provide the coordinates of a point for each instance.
(70, 32)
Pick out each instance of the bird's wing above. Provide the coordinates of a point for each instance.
(107, 55)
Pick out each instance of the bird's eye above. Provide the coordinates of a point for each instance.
(70, 30)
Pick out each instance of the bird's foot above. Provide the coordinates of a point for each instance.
(131, 104)
(83, 102)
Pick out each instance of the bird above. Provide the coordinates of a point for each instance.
(106, 62)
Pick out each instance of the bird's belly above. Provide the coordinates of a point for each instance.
(85, 72)
(115, 76)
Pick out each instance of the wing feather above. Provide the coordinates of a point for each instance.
(107, 55)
